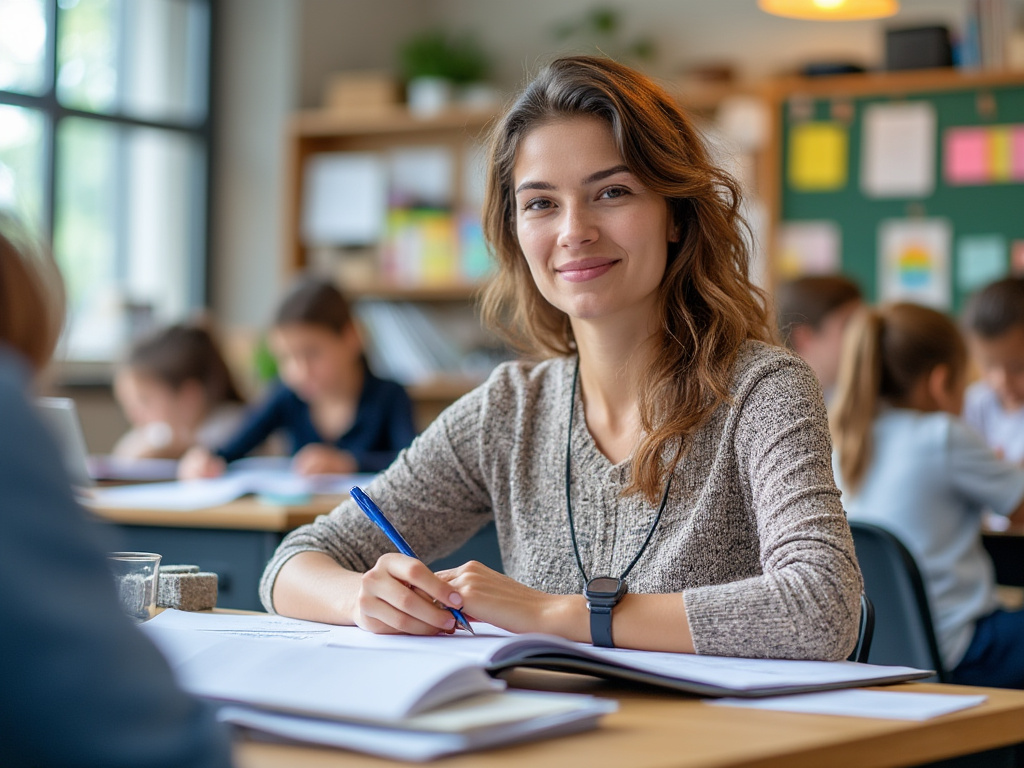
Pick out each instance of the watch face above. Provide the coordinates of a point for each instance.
(605, 586)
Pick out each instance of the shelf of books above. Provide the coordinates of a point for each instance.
(388, 204)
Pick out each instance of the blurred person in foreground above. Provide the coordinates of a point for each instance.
(82, 686)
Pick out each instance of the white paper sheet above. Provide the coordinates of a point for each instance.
(270, 672)
(344, 198)
(888, 705)
(474, 723)
(898, 150)
(277, 485)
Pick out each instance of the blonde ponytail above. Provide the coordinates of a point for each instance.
(857, 393)
(886, 352)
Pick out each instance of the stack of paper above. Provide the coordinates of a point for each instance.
(279, 677)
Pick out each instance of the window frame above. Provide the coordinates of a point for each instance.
(201, 130)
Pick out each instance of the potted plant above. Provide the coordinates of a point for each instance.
(435, 63)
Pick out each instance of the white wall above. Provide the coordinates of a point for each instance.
(256, 91)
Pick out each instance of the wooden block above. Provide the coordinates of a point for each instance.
(363, 91)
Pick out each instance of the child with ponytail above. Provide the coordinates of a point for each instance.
(906, 462)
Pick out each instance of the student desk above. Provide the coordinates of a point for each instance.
(235, 540)
(654, 729)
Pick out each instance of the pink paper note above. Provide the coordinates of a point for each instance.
(967, 156)
(1017, 153)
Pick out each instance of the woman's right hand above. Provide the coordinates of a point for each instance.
(401, 595)
(198, 462)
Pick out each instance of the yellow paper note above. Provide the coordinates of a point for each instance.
(999, 153)
(818, 157)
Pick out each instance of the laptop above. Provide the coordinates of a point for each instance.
(61, 416)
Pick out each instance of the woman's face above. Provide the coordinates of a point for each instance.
(595, 239)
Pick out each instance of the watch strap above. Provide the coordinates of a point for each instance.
(601, 625)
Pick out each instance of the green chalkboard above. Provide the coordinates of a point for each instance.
(976, 210)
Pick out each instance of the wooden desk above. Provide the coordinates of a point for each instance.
(236, 540)
(666, 730)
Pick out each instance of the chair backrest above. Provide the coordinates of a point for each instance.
(903, 632)
(865, 632)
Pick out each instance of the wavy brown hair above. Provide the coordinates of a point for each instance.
(707, 303)
(31, 294)
(886, 352)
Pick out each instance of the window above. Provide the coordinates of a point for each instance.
(104, 147)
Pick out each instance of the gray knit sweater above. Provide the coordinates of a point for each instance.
(753, 534)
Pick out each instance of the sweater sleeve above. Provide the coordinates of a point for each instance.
(434, 493)
(805, 603)
(258, 425)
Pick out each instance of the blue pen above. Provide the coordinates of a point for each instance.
(373, 512)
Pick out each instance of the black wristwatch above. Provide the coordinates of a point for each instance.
(603, 593)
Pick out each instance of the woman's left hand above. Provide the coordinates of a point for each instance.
(496, 599)
(318, 459)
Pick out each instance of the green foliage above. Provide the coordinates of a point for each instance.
(600, 27)
(435, 53)
(263, 361)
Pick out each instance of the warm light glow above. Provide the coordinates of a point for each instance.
(830, 10)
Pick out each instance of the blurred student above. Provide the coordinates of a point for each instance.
(177, 392)
(337, 416)
(906, 462)
(994, 319)
(81, 685)
(812, 313)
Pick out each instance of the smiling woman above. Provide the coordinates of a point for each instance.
(660, 474)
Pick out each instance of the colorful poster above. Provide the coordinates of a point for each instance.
(984, 155)
(898, 150)
(818, 157)
(809, 248)
(980, 259)
(914, 260)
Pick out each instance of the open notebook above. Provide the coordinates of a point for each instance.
(473, 657)
(277, 678)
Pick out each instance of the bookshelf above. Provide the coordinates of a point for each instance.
(447, 300)
(315, 132)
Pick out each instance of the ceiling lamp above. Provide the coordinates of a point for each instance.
(830, 10)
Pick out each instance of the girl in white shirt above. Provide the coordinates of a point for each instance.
(177, 392)
(906, 462)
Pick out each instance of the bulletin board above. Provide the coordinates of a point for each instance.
(827, 169)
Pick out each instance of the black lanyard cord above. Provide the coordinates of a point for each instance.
(568, 491)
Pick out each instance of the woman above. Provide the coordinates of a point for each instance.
(661, 442)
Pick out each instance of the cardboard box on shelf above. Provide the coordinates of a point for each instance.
(364, 91)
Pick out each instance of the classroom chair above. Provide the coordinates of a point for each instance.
(862, 650)
(903, 632)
